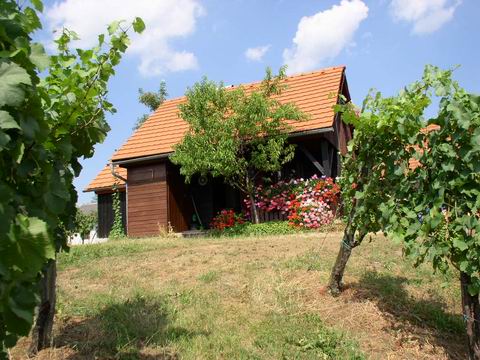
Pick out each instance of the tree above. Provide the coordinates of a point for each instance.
(433, 208)
(152, 100)
(46, 126)
(438, 202)
(84, 223)
(235, 133)
(381, 139)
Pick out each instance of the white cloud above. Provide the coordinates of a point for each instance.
(321, 37)
(256, 53)
(165, 21)
(426, 16)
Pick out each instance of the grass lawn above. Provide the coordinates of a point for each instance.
(250, 298)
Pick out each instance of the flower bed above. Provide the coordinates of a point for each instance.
(226, 219)
(308, 203)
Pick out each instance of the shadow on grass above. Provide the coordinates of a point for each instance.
(138, 328)
(425, 319)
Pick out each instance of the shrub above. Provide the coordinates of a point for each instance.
(226, 219)
(309, 203)
(84, 222)
(310, 213)
(166, 231)
(249, 229)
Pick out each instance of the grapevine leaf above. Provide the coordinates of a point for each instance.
(473, 289)
(19, 313)
(11, 78)
(31, 247)
(7, 121)
(38, 5)
(138, 25)
(475, 141)
(113, 27)
(460, 244)
(4, 139)
(448, 167)
(39, 57)
(10, 340)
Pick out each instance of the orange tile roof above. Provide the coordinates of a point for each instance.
(311, 92)
(105, 180)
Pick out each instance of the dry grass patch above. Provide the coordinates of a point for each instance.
(251, 298)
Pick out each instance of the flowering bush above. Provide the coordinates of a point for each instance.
(309, 203)
(226, 219)
(310, 213)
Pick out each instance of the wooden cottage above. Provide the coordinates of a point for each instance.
(154, 194)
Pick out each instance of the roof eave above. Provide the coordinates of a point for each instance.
(163, 156)
(311, 132)
(139, 159)
(103, 188)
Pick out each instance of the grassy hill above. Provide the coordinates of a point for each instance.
(250, 298)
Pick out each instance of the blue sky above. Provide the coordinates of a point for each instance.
(383, 43)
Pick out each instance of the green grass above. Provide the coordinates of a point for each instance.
(302, 337)
(190, 324)
(272, 228)
(251, 298)
(209, 276)
(80, 255)
(249, 229)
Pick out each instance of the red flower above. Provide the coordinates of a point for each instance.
(225, 219)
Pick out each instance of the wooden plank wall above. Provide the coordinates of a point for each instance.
(147, 199)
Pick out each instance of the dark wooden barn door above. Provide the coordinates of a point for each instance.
(106, 215)
(147, 199)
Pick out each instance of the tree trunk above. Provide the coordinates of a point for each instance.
(471, 314)
(253, 209)
(42, 331)
(346, 246)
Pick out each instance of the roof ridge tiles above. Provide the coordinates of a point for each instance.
(297, 75)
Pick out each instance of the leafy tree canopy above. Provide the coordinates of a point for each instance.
(85, 222)
(236, 133)
(152, 100)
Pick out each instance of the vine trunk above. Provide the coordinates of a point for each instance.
(346, 247)
(42, 331)
(471, 312)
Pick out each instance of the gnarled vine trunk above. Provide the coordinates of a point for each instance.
(346, 246)
(42, 331)
(471, 313)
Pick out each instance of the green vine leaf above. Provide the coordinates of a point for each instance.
(12, 76)
(138, 25)
(7, 121)
(47, 124)
(39, 57)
